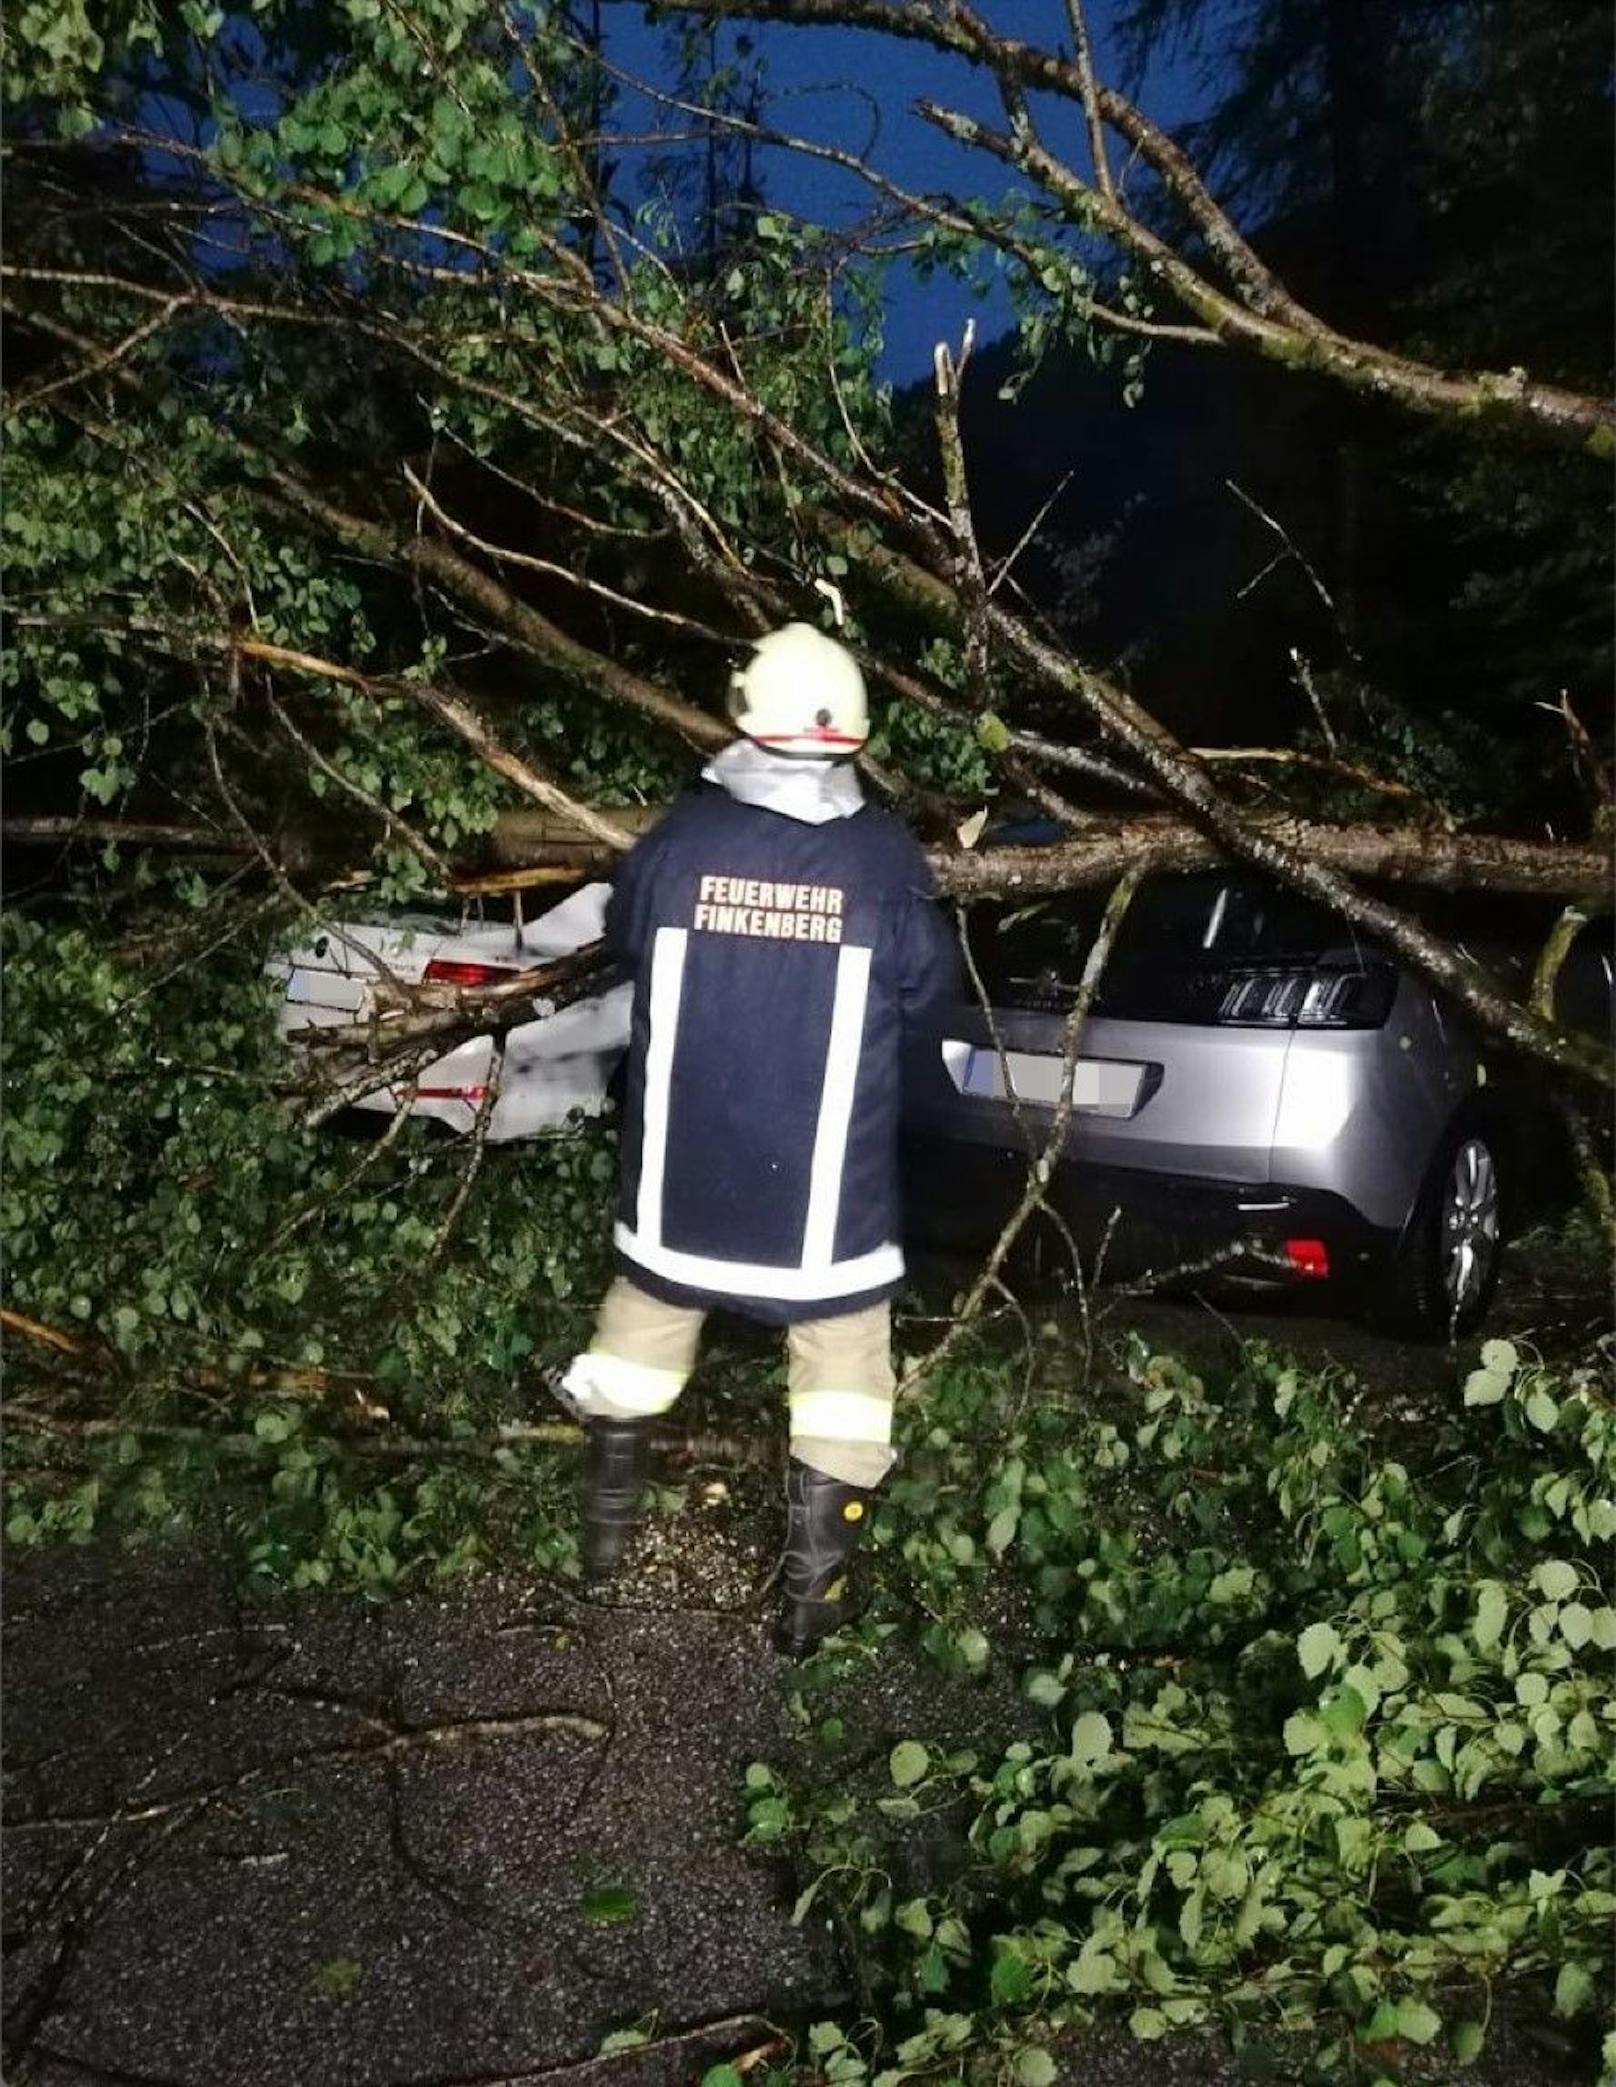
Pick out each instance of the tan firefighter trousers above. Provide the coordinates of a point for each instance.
(839, 1379)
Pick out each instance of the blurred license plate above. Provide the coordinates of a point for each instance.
(1101, 1086)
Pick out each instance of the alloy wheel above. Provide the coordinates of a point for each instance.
(1469, 1238)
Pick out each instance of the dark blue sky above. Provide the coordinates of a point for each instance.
(822, 83)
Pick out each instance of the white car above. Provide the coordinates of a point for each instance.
(560, 1063)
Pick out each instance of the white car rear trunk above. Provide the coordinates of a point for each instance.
(552, 1067)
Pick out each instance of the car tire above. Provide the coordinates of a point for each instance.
(1445, 1267)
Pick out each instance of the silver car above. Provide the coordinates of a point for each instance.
(1256, 1087)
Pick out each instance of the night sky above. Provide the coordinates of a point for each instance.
(822, 84)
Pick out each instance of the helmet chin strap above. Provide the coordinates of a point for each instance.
(833, 594)
(799, 755)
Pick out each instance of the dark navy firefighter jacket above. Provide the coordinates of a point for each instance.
(774, 965)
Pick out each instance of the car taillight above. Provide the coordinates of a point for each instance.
(1308, 997)
(1310, 1257)
(445, 971)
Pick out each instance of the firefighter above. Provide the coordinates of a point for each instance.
(779, 933)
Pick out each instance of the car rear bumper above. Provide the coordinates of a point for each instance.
(959, 1196)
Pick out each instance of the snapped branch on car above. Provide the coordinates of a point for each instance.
(554, 1066)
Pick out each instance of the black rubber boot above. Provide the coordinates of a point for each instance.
(617, 1459)
(824, 1520)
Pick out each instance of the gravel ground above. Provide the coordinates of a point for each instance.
(455, 1841)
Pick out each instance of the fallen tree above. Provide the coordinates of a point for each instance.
(590, 459)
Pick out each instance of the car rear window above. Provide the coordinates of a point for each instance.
(1177, 929)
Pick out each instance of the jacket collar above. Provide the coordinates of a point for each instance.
(814, 792)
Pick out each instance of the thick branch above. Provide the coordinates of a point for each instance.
(48, 828)
(413, 1025)
(1384, 854)
(970, 582)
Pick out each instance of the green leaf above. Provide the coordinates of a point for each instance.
(1093, 1971)
(768, 1818)
(721, 2076)
(1469, 2038)
(1501, 1357)
(1492, 1608)
(1012, 1979)
(1417, 2022)
(907, 1763)
(1148, 2023)
(1043, 1687)
(1303, 1733)
(1556, 1579)
(1576, 1624)
(972, 1647)
(1229, 1586)
(1468, 2041)
(1420, 1839)
(1366, 1685)
(1573, 1989)
(1035, 2068)
(992, 733)
(1344, 1712)
(1002, 1530)
(1091, 1738)
(1319, 1647)
(1484, 1388)
(610, 1906)
(1542, 1411)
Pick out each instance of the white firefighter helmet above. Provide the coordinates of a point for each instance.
(801, 693)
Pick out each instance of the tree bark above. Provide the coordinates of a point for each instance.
(1159, 844)
(1403, 855)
